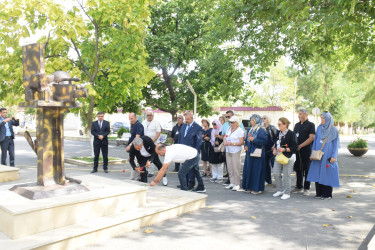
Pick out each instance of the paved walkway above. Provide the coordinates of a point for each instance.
(236, 220)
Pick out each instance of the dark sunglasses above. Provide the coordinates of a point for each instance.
(227, 116)
(214, 124)
(148, 115)
(231, 122)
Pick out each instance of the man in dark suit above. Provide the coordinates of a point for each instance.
(100, 130)
(7, 137)
(191, 135)
(143, 148)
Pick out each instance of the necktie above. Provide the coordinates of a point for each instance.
(100, 125)
(187, 129)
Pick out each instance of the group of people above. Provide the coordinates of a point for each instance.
(267, 149)
(263, 143)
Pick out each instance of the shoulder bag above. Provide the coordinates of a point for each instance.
(316, 155)
(282, 159)
(257, 152)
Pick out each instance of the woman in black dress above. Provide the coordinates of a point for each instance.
(205, 148)
(216, 159)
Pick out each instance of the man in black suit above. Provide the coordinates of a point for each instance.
(143, 148)
(191, 135)
(7, 137)
(100, 130)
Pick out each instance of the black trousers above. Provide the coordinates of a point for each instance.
(270, 162)
(302, 166)
(7, 146)
(142, 163)
(104, 148)
(323, 190)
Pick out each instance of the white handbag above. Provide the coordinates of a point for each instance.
(257, 152)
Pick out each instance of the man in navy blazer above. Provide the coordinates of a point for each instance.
(191, 135)
(100, 130)
(7, 137)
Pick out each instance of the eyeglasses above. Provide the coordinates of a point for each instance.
(279, 124)
(231, 122)
(214, 124)
(148, 115)
(227, 116)
(179, 118)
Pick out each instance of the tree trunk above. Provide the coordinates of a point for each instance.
(89, 122)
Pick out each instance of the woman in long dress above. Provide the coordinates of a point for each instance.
(325, 172)
(216, 159)
(205, 148)
(254, 171)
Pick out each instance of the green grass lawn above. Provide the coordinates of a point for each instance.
(112, 137)
(91, 159)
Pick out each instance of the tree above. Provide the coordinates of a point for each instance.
(340, 92)
(99, 41)
(181, 48)
(337, 31)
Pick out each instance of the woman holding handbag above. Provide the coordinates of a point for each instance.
(254, 171)
(285, 148)
(216, 157)
(324, 169)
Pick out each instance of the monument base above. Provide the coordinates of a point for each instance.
(34, 192)
(109, 209)
(8, 173)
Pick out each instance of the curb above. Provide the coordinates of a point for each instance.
(85, 163)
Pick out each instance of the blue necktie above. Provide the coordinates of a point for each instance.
(187, 129)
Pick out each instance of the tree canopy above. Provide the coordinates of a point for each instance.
(99, 41)
(181, 48)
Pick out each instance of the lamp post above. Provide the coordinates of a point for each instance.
(295, 97)
(195, 98)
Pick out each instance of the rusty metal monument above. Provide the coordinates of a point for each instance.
(52, 96)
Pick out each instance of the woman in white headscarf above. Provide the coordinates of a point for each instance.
(254, 170)
(325, 172)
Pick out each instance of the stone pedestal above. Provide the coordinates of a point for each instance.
(8, 173)
(110, 208)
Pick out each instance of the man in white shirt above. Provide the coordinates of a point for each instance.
(153, 130)
(180, 153)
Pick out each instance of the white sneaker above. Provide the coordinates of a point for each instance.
(219, 181)
(236, 188)
(212, 180)
(230, 186)
(278, 193)
(241, 190)
(165, 181)
(306, 192)
(285, 196)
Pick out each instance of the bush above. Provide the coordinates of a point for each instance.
(358, 143)
(120, 132)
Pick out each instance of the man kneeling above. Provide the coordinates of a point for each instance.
(181, 154)
(143, 148)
